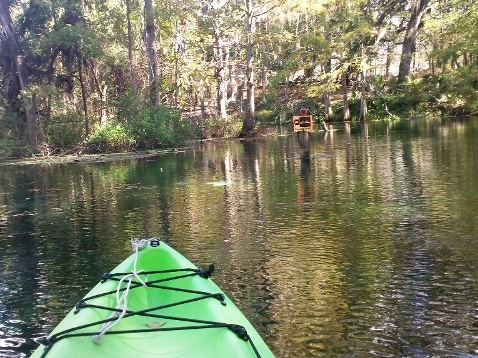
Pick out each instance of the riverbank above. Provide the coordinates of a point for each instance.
(80, 157)
(86, 158)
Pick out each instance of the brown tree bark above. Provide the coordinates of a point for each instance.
(84, 95)
(345, 99)
(328, 112)
(152, 52)
(221, 83)
(134, 84)
(363, 100)
(363, 87)
(32, 131)
(249, 121)
(408, 48)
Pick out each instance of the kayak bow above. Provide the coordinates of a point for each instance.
(156, 303)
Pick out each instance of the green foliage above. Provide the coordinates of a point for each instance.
(268, 109)
(310, 104)
(139, 127)
(9, 123)
(10, 148)
(159, 126)
(455, 92)
(269, 116)
(128, 106)
(150, 128)
(66, 131)
(217, 127)
(111, 138)
(301, 49)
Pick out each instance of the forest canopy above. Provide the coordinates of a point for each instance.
(118, 75)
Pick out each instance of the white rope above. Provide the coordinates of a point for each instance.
(122, 297)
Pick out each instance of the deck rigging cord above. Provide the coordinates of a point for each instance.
(131, 280)
(122, 297)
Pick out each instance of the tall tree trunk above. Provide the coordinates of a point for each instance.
(202, 104)
(180, 46)
(221, 89)
(152, 52)
(363, 87)
(102, 89)
(32, 131)
(388, 61)
(249, 113)
(345, 98)
(363, 100)
(418, 9)
(240, 98)
(134, 85)
(328, 112)
(83, 92)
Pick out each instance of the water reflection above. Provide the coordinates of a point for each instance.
(368, 248)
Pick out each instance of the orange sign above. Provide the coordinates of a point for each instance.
(303, 123)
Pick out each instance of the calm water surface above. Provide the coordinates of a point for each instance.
(369, 249)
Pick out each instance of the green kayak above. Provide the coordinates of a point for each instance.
(156, 303)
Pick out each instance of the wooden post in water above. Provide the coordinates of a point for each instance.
(303, 124)
(304, 145)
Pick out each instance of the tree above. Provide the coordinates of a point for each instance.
(134, 83)
(417, 10)
(249, 121)
(14, 65)
(70, 67)
(214, 15)
(150, 34)
(453, 34)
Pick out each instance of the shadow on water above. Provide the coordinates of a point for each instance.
(367, 248)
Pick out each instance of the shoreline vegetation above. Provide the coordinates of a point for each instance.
(81, 156)
(87, 158)
(106, 77)
(172, 134)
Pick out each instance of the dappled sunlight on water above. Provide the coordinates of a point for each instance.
(368, 249)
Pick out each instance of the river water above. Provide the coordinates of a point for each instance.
(368, 249)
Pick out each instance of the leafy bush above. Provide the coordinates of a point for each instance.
(66, 131)
(268, 116)
(160, 126)
(457, 91)
(128, 106)
(138, 127)
(217, 127)
(111, 138)
(9, 122)
(10, 148)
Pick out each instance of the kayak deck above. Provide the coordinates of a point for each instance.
(172, 309)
